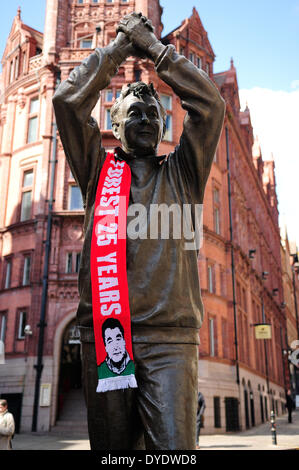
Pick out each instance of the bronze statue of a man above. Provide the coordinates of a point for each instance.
(164, 294)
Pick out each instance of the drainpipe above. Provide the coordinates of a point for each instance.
(42, 324)
(265, 346)
(232, 254)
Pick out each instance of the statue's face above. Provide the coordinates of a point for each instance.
(115, 344)
(140, 125)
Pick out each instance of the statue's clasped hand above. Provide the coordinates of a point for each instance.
(139, 30)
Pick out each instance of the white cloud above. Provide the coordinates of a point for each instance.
(275, 120)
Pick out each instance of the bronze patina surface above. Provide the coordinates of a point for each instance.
(164, 293)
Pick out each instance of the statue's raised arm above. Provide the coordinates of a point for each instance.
(199, 97)
(74, 101)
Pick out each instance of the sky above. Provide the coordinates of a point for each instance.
(262, 37)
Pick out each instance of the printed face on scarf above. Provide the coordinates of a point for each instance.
(139, 125)
(115, 345)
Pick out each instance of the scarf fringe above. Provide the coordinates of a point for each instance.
(116, 383)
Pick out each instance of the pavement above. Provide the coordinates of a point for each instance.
(53, 440)
(257, 438)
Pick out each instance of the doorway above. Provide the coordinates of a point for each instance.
(70, 381)
(246, 409)
(252, 413)
(251, 404)
(232, 414)
(262, 408)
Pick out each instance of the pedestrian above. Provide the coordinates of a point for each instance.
(7, 426)
(289, 405)
(200, 416)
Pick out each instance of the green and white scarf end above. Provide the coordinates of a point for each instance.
(116, 383)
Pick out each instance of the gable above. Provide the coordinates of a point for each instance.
(198, 33)
(19, 33)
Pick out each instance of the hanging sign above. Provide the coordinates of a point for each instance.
(263, 331)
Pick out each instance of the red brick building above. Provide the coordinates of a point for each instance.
(241, 378)
(290, 279)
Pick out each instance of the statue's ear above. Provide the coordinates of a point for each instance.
(115, 130)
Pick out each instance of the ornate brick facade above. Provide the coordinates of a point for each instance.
(31, 63)
(290, 279)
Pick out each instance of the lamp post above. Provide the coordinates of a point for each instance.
(284, 352)
(273, 428)
(42, 323)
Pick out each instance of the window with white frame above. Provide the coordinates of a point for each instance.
(32, 133)
(166, 101)
(26, 270)
(22, 324)
(77, 262)
(108, 96)
(72, 262)
(198, 62)
(16, 72)
(69, 263)
(2, 326)
(75, 198)
(108, 123)
(7, 274)
(225, 344)
(217, 220)
(86, 43)
(216, 202)
(168, 133)
(24, 66)
(26, 197)
(11, 72)
(212, 336)
(211, 281)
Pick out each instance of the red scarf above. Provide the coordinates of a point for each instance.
(110, 295)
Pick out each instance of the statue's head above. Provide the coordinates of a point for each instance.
(138, 119)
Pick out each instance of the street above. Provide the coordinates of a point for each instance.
(257, 438)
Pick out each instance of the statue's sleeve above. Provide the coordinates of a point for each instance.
(73, 103)
(203, 121)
